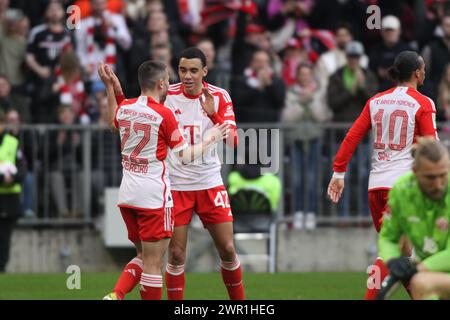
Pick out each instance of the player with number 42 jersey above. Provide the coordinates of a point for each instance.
(396, 118)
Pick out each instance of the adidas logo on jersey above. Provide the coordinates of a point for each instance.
(178, 111)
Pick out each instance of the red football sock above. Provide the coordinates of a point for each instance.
(175, 282)
(372, 290)
(130, 277)
(232, 277)
(151, 286)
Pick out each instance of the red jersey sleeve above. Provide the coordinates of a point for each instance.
(225, 111)
(426, 119)
(119, 100)
(116, 123)
(171, 132)
(354, 136)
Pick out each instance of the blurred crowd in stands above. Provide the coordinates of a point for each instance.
(291, 61)
(273, 55)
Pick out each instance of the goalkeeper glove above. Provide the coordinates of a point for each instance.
(402, 268)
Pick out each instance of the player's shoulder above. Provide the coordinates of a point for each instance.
(382, 94)
(378, 96)
(426, 103)
(220, 92)
(164, 111)
(127, 102)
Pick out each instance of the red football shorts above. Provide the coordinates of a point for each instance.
(378, 206)
(148, 225)
(211, 205)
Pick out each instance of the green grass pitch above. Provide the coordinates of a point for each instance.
(199, 286)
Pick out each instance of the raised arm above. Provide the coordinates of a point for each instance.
(118, 92)
(107, 76)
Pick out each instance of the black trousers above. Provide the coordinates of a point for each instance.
(6, 228)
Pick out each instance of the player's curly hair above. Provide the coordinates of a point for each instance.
(429, 148)
(194, 53)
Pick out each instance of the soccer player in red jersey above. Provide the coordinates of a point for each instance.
(198, 186)
(147, 129)
(396, 117)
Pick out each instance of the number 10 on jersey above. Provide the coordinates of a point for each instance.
(393, 134)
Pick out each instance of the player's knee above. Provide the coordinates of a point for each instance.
(153, 262)
(228, 252)
(420, 286)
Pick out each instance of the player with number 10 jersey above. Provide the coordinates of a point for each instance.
(396, 118)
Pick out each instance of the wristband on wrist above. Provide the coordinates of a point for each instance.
(339, 175)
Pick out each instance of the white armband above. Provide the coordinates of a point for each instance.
(339, 175)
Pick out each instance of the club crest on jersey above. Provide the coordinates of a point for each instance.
(178, 111)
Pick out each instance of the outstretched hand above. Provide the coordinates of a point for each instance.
(335, 189)
(218, 133)
(109, 78)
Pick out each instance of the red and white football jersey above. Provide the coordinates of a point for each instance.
(397, 117)
(147, 129)
(204, 172)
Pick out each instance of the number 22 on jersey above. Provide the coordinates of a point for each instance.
(134, 155)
